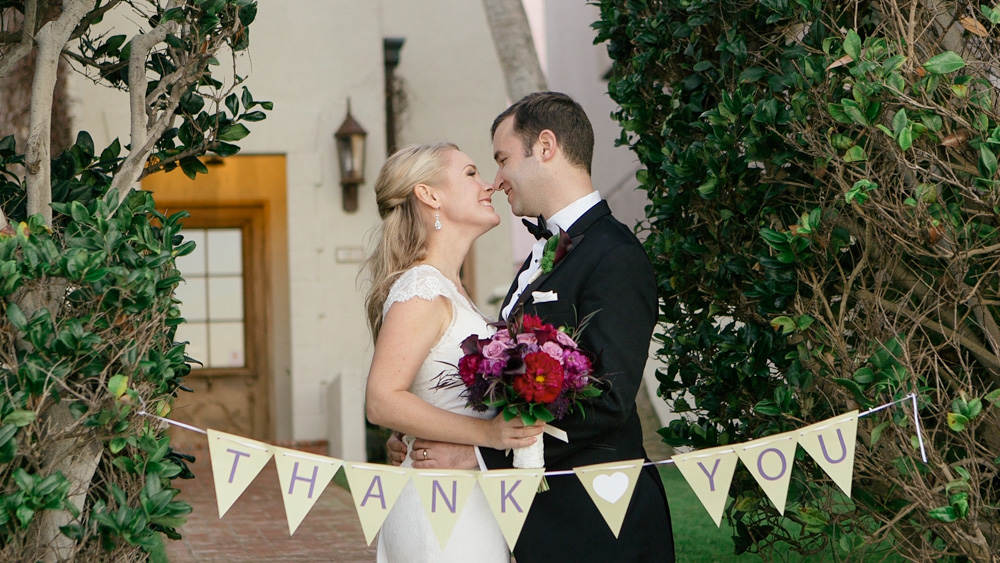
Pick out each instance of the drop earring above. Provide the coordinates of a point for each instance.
(437, 221)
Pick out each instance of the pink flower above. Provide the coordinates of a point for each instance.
(553, 349)
(492, 368)
(527, 338)
(577, 369)
(467, 368)
(497, 350)
(565, 340)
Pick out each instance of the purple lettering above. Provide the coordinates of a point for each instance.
(435, 487)
(711, 476)
(760, 464)
(843, 448)
(508, 495)
(376, 482)
(236, 460)
(295, 477)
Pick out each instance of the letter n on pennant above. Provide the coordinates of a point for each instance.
(443, 494)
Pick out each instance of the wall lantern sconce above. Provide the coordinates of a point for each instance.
(351, 153)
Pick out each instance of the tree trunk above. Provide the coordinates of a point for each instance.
(512, 38)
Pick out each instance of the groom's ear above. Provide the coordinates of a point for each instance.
(547, 145)
(426, 195)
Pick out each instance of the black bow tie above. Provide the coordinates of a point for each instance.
(540, 231)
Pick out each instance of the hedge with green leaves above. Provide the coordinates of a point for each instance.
(823, 214)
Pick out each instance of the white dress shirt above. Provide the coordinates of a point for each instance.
(562, 219)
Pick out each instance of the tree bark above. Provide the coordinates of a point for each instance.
(508, 23)
(51, 39)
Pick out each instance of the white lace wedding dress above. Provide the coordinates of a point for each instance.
(406, 535)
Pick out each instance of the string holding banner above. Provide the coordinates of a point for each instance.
(236, 461)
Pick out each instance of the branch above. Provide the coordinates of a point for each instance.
(131, 168)
(51, 38)
(192, 151)
(987, 358)
(27, 38)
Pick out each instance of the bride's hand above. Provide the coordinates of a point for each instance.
(513, 433)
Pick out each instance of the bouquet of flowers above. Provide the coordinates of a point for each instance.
(528, 369)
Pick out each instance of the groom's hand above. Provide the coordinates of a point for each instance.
(395, 449)
(427, 454)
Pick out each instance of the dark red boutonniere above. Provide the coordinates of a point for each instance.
(556, 248)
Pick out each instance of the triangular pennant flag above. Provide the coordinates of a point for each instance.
(610, 486)
(303, 479)
(375, 489)
(510, 493)
(770, 460)
(443, 494)
(236, 461)
(709, 473)
(831, 443)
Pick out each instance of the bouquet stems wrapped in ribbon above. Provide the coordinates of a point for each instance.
(528, 369)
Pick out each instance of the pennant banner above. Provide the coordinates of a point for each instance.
(510, 494)
(769, 460)
(303, 479)
(236, 462)
(610, 486)
(443, 494)
(375, 489)
(709, 472)
(831, 443)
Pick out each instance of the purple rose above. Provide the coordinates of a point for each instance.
(492, 368)
(497, 350)
(565, 340)
(527, 338)
(554, 350)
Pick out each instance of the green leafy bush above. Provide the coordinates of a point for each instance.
(87, 313)
(823, 221)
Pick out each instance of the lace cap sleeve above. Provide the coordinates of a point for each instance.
(423, 281)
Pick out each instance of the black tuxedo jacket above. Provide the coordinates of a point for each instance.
(606, 273)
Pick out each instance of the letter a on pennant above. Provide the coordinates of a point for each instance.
(610, 486)
(770, 460)
(510, 493)
(375, 489)
(236, 461)
(709, 473)
(443, 494)
(303, 479)
(831, 443)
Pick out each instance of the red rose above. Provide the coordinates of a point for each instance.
(542, 379)
(468, 366)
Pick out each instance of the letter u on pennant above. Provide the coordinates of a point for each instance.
(832, 443)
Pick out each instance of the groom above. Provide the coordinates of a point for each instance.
(543, 145)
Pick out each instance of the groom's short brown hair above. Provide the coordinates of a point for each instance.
(558, 113)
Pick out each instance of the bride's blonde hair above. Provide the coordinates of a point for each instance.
(402, 240)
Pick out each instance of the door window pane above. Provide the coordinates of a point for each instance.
(211, 298)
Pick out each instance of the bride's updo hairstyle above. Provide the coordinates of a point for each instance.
(403, 236)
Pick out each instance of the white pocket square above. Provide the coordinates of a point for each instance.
(544, 296)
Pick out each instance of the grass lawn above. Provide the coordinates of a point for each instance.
(695, 536)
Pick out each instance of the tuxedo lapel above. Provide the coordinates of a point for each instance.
(526, 294)
(576, 231)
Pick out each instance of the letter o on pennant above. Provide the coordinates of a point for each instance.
(760, 464)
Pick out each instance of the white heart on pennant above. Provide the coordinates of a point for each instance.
(611, 487)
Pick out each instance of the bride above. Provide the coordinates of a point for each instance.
(433, 206)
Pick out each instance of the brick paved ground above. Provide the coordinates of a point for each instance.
(255, 528)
